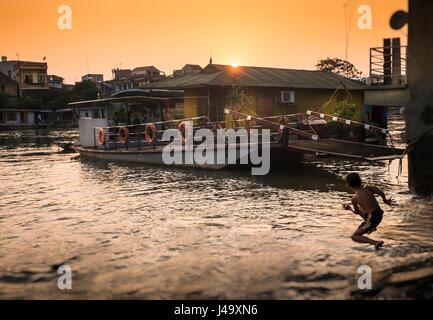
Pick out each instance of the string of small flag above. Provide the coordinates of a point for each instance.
(346, 121)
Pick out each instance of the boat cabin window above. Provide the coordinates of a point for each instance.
(98, 113)
(95, 113)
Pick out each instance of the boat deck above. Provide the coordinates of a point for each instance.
(320, 148)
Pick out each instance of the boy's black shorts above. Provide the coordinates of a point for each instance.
(372, 221)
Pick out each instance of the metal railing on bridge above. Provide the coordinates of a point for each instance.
(388, 64)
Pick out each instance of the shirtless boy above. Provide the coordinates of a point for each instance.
(365, 205)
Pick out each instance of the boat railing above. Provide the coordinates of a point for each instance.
(364, 126)
(137, 132)
(295, 120)
(320, 147)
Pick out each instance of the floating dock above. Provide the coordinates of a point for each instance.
(311, 143)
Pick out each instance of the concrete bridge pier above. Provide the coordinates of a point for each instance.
(419, 112)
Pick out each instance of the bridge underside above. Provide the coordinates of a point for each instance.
(387, 95)
(346, 149)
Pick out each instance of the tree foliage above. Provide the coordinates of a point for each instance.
(4, 99)
(346, 110)
(27, 102)
(341, 67)
(119, 115)
(85, 90)
(60, 99)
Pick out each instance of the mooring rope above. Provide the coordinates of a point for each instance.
(341, 86)
(400, 169)
(319, 108)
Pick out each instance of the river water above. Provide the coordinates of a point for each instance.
(146, 232)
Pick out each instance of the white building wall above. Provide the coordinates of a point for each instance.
(87, 132)
(30, 117)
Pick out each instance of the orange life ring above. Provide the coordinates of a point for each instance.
(146, 133)
(102, 137)
(123, 135)
(215, 127)
(185, 125)
(281, 121)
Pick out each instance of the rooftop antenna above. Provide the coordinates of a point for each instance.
(348, 14)
(210, 60)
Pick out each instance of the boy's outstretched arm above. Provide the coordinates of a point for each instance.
(355, 209)
(379, 192)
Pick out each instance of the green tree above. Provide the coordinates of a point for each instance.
(341, 67)
(60, 100)
(4, 99)
(119, 115)
(28, 102)
(346, 110)
(85, 90)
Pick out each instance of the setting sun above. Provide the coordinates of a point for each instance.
(235, 64)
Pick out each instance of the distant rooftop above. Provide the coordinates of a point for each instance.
(148, 68)
(194, 66)
(22, 62)
(4, 77)
(53, 77)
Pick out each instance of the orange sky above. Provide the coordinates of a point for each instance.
(169, 33)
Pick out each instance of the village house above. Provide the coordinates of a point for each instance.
(140, 77)
(187, 69)
(23, 117)
(121, 80)
(269, 91)
(12, 116)
(93, 77)
(30, 76)
(55, 82)
(9, 86)
(149, 72)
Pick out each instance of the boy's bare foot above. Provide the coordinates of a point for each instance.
(378, 245)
